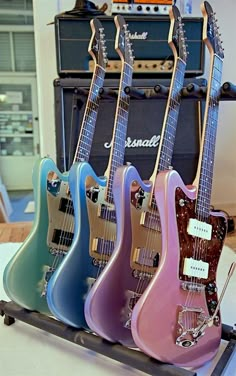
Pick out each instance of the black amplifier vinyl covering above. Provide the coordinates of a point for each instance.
(73, 34)
(144, 128)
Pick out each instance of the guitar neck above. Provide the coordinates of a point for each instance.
(85, 140)
(117, 153)
(166, 146)
(207, 153)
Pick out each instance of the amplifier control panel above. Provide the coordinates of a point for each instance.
(151, 9)
(140, 66)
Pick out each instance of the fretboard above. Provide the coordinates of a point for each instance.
(117, 153)
(85, 140)
(166, 146)
(209, 141)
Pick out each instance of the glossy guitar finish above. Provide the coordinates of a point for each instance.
(154, 324)
(108, 308)
(66, 293)
(112, 289)
(183, 327)
(95, 218)
(27, 274)
(24, 274)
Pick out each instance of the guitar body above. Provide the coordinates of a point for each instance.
(24, 276)
(70, 283)
(159, 317)
(105, 306)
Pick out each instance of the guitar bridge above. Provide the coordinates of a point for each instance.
(191, 325)
(131, 299)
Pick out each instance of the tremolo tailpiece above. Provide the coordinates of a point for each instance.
(188, 337)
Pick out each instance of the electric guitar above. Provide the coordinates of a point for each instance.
(110, 302)
(26, 275)
(95, 218)
(177, 318)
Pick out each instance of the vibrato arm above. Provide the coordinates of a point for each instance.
(230, 273)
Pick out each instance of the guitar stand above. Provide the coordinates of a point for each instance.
(132, 358)
(190, 91)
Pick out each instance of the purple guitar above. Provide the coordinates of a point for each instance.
(177, 318)
(137, 250)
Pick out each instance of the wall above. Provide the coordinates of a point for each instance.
(224, 183)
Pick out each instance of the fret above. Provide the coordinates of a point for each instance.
(166, 146)
(208, 154)
(120, 129)
(90, 116)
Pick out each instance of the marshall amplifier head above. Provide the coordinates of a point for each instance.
(149, 35)
(156, 7)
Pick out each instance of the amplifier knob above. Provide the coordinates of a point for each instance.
(139, 7)
(156, 9)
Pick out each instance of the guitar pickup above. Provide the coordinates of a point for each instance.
(62, 238)
(199, 229)
(195, 268)
(66, 206)
(107, 213)
(151, 220)
(147, 257)
(103, 246)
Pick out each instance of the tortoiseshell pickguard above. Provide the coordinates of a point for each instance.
(207, 250)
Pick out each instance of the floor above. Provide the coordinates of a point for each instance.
(20, 201)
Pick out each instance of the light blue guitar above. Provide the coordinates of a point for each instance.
(95, 218)
(27, 274)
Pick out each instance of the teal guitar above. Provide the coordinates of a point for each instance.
(95, 218)
(27, 274)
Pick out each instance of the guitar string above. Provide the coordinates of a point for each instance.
(82, 153)
(154, 232)
(201, 246)
(116, 160)
(154, 215)
(220, 61)
(164, 163)
(108, 232)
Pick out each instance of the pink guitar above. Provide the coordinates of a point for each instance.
(177, 319)
(109, 304)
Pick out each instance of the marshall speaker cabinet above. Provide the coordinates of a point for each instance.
(144, 127)
(149, 35)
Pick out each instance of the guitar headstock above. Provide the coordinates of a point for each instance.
(97, 48)
(122, 43)
(211, 35)
(176, 38)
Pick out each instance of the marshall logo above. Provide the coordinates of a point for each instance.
(139, 143)
(135, 35)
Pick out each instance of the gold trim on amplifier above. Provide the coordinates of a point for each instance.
(142, 66)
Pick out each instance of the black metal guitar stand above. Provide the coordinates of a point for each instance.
(132, 358)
